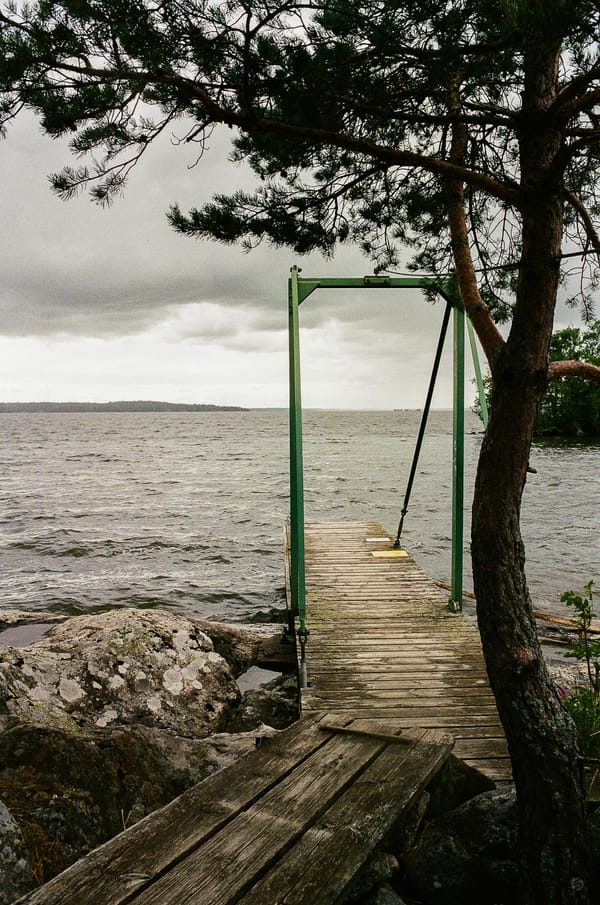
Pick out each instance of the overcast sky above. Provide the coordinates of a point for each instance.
(106, 304)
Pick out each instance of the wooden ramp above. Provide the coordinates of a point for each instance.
(292, 822)
(384, 645)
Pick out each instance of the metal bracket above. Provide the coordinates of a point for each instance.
(377, 281)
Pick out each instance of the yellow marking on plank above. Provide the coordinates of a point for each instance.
(388, 554)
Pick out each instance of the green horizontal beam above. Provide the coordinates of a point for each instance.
(306, 286)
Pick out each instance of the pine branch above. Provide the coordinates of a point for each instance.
(574, 368)
(584, 215)
(571, 92)
(218, 112)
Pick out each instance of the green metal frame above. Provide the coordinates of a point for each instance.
(458, 461)
(480, 385)
(299, 289)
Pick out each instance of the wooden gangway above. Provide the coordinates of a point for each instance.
(384, 645)
(292, 822)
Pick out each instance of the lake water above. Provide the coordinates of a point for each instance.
(185, 510)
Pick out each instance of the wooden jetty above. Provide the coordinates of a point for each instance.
(383, 644)
(393, 678)
(292, 822)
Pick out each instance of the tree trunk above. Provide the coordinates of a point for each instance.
(542, 740)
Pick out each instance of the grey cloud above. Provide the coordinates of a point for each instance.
(72, 269)
(70, 266)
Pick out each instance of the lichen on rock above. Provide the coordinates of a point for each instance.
(16, 875)
(121, 668)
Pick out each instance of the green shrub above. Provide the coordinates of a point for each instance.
(585, 649)
(584, 703)
(584, 707)
(571, 405)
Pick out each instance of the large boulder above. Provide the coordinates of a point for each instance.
(71, 791)
(119, 668)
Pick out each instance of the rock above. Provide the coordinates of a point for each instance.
(466, 857)
(186, 762)
(275, 614)
(10, 618)
(225, 748)
(376, 871)
(384, 895)
(73, 791)
(21, 617)
(120, 668)
(244, 646)
(238, 646)
(456, 783)
(274, 704)
(16, 875)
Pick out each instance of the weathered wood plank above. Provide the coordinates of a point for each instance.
(405, 684)
(433, 717)
(341, 839)
(477, 748)
(233, 859)
(113, 872)
(329, 776)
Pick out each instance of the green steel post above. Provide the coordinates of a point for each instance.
(480, 387)
(297, 571)
(458, 460)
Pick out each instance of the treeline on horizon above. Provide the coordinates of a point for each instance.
(129, 406)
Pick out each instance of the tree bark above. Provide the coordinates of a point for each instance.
(542, 740)
(541, 737)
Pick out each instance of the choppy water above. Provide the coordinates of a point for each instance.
(185, 510)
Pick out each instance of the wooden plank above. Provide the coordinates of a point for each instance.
(474, 748)
(406, 684)
(217, 841)
(330, 698)
(321, 866)
(417, 710)
(233, 859)
(113, 872)
(497, 769)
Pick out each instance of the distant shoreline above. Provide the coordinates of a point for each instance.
(133, 406)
